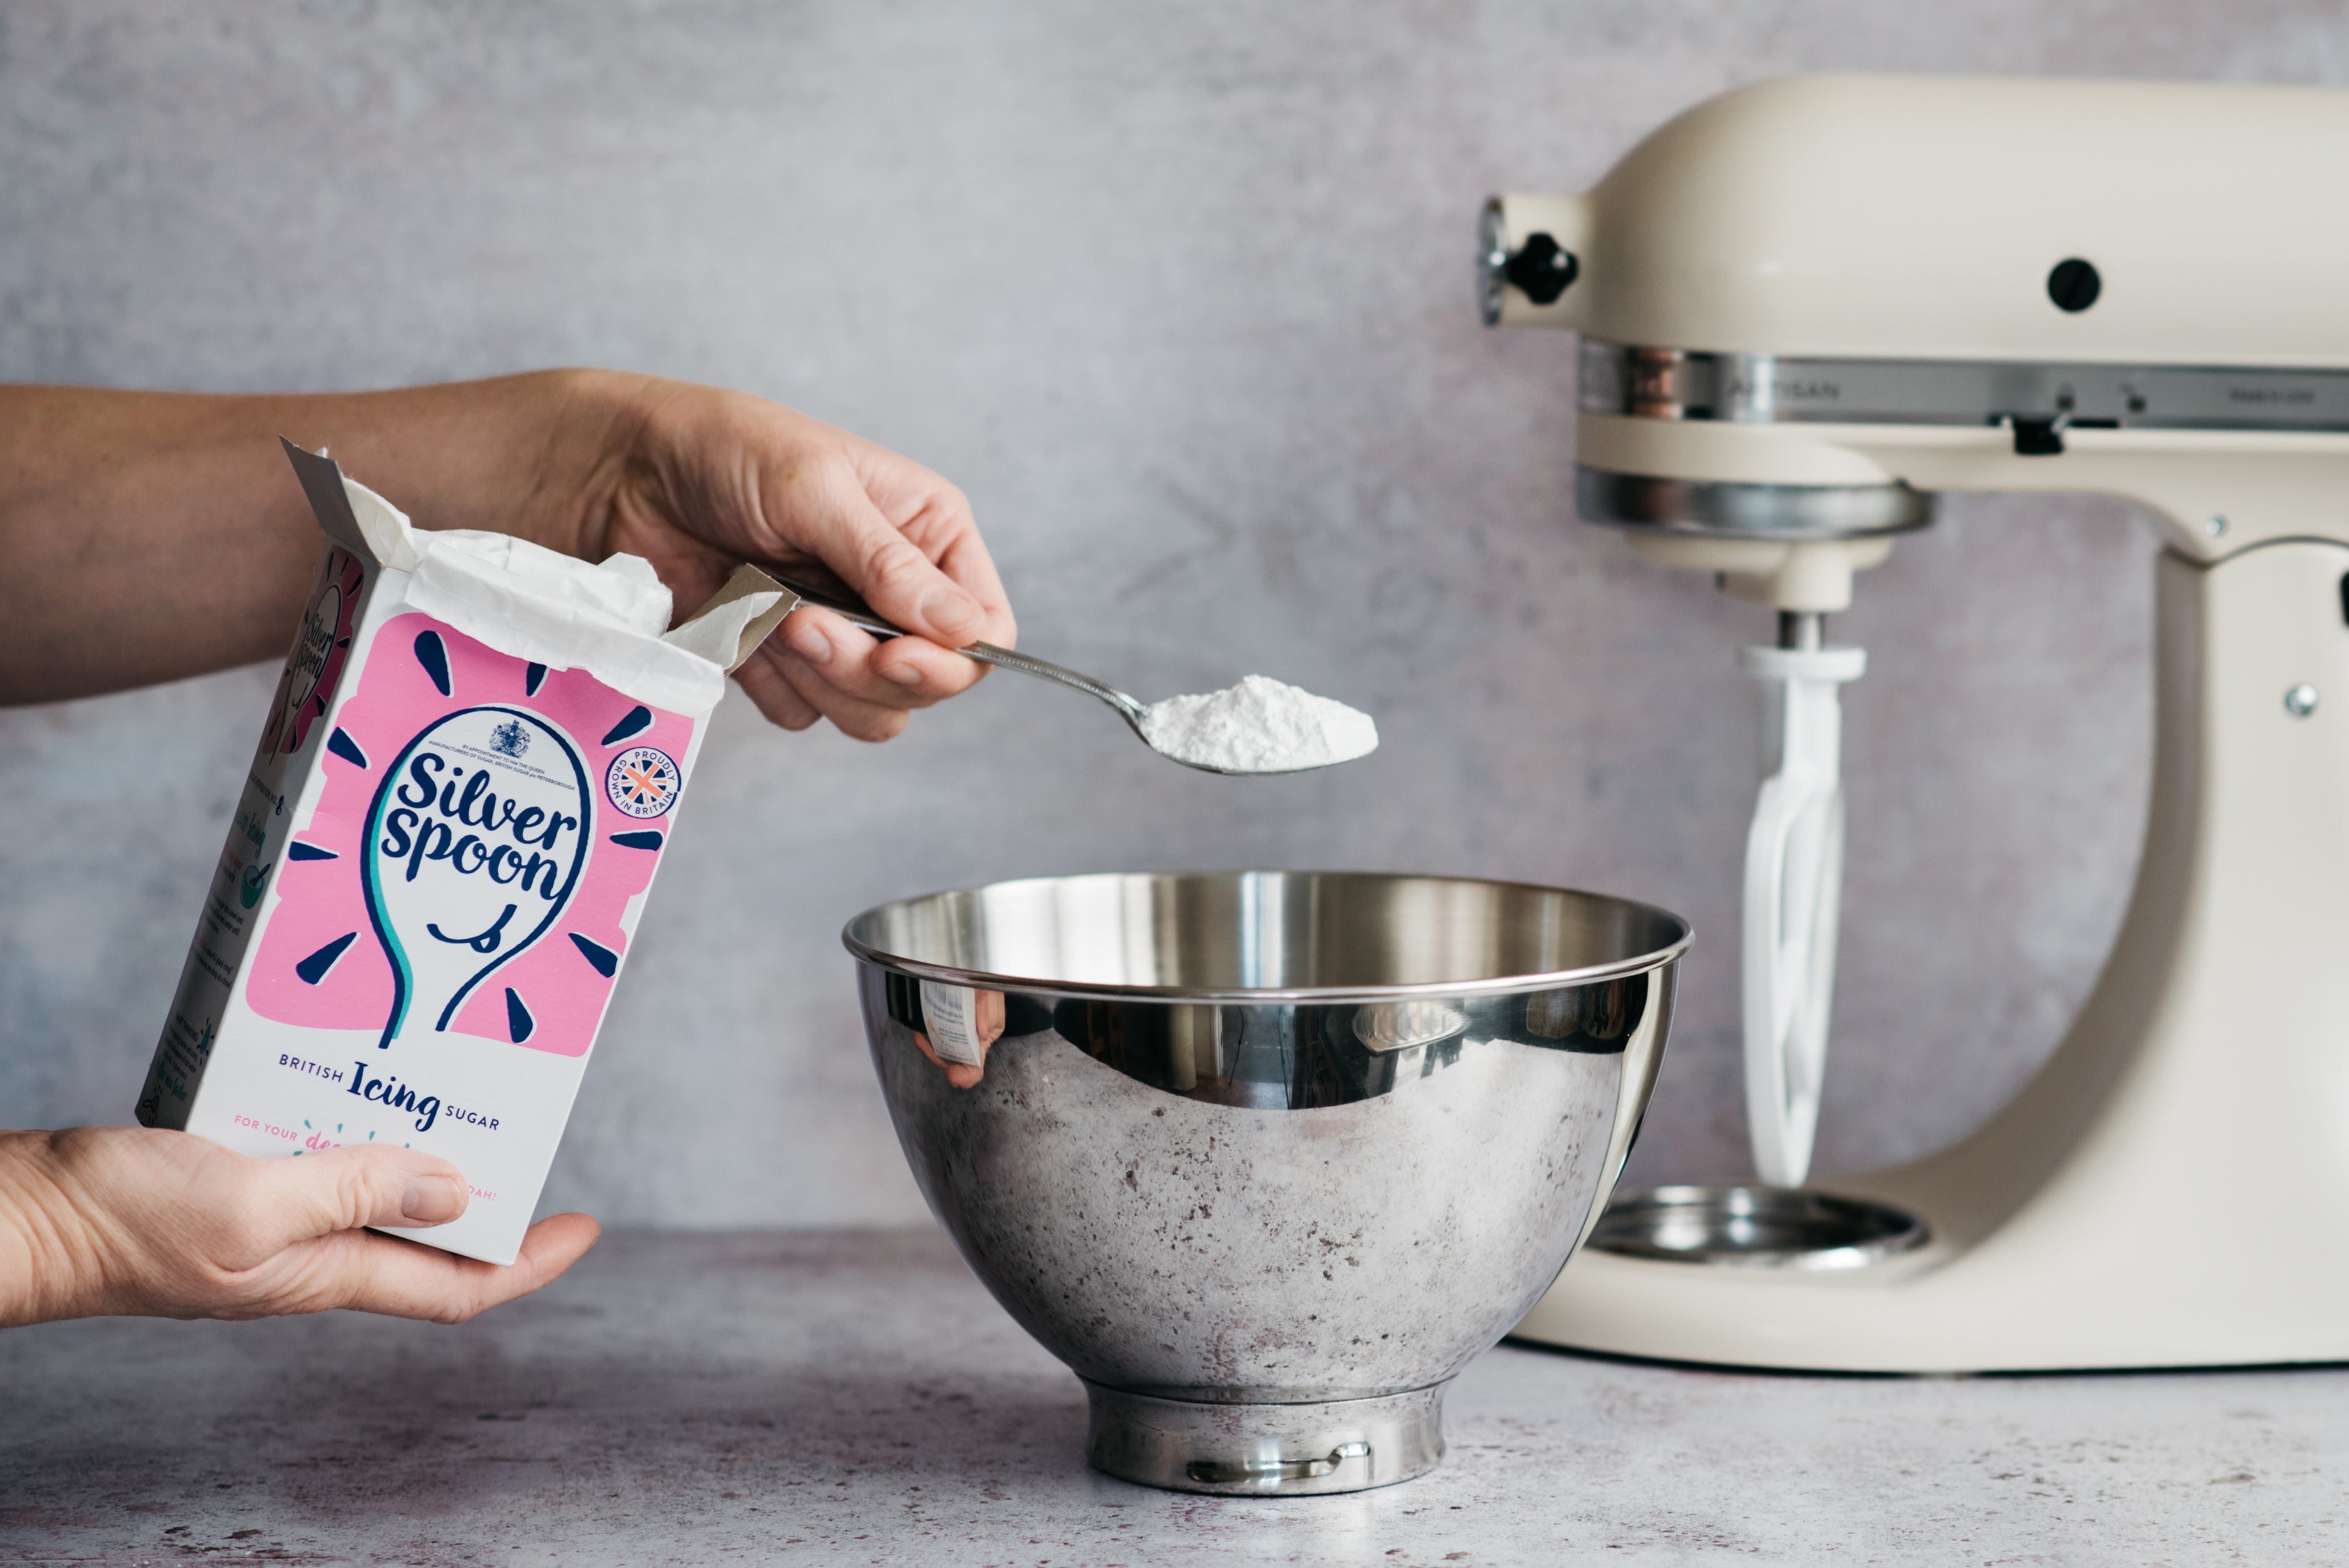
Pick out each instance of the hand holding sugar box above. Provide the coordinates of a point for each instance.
(465, 783)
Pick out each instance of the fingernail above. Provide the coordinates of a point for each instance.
(951, 610)
(902, 674)
(432, 1199)
(810, 643)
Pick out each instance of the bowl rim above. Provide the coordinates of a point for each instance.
(1502, 985)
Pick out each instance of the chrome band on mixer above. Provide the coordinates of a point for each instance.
(1773, 388)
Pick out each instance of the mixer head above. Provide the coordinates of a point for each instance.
(1808, 303)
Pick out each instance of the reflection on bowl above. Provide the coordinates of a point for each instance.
(1399, 1026)
(1268, 1156)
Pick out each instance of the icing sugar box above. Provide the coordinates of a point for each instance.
(467, 779)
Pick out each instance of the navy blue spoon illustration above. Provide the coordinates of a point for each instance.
(476, 842)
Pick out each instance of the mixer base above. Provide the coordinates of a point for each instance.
(1265, 1450)
(2170, 1189)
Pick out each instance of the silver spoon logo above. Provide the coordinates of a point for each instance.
(476, 842)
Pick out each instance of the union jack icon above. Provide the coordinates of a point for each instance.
(642, 782)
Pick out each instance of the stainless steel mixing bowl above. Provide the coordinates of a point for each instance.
(1268, 1156)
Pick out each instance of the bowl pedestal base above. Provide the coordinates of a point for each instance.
(1265, 1450)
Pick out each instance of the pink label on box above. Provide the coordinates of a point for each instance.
(485, 822)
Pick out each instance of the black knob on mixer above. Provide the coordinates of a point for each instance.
(1542, 268)
(2073, 284)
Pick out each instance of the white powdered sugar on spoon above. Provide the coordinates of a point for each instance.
(1259, 726)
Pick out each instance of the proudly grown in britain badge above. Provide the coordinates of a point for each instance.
(642, 782)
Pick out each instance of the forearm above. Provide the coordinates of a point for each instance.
(148, 536)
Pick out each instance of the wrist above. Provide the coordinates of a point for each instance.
(595, 444)
(527, 454)
(49, 1262)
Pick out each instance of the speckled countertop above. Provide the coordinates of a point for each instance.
(858, 1399)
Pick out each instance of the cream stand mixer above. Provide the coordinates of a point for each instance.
(1804, 307)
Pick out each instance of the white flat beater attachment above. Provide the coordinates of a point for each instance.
(1794, 888)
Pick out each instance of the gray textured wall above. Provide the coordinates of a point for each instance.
(1179, 294)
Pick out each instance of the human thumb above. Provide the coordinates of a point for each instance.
(345, 1188)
